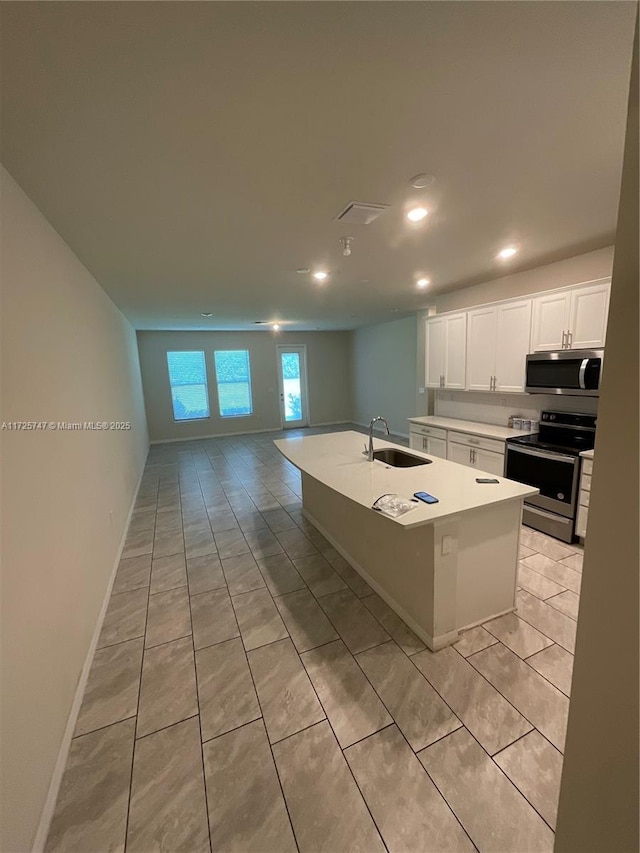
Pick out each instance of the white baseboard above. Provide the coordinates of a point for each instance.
(366, 426)
(243, 432)
(433, 643)
(63, 753)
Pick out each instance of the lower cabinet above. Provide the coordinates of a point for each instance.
(429, 440)
(485, 454)
(585, 494)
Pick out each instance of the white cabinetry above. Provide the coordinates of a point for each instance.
(430, 440)
(571, 319)
(497, 342)
(585, 494)
(485, 454)
(445, 348)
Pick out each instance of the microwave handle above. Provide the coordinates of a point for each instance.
(583, 369)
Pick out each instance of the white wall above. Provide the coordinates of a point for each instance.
(329, 385)
(599, 797)
(68, 354)
(384, 373)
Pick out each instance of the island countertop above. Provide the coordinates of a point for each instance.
(337, 461)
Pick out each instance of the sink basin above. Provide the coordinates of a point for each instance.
(398, 458)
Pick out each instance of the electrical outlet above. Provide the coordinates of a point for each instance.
(447, 545)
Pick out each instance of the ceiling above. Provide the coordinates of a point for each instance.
(193, 155)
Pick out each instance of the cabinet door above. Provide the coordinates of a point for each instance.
(487, 460)
(434, 351)
(512, 345)
(415, 441)
(481, 348)
(550, 320)
(455, 349)
(459, 453)
(589, 310)
(437, 447)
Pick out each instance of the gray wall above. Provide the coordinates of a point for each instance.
(68, 355)
(384, 373)
(599, 795)
(328, 358)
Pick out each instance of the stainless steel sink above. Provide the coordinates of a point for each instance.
(398, 458)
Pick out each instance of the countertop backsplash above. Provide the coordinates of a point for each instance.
(495, 408)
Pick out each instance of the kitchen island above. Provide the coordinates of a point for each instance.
(442, 567)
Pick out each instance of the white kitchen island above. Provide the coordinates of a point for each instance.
(442, 567)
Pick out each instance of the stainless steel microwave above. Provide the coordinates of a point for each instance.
(576, 372)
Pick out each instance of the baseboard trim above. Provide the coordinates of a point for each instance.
(433, 643)
(366, 426)
(244, 432)
(58, 771)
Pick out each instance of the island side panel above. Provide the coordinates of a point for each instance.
(399, 560)
(487, 570)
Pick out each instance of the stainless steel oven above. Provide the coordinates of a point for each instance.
(576, 372)
(550, 461)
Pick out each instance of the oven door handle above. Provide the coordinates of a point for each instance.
(581, 373)
(541, 453)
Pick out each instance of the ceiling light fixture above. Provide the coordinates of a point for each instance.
(206, 314)
(417, 214)
(422, 180)
(507, 252)
(320, 275)
(303, 270)
(423, 282)
(275, 327)
(346, 245)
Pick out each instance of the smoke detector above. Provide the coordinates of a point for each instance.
(360, 212)
(346, 245)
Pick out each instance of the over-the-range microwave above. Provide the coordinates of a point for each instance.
(576, 372)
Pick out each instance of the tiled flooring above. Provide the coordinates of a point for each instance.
(251, 694)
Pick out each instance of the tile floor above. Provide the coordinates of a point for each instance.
(250, 693)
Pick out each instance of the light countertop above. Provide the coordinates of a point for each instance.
(587, 454)
(485, 430)
(337, 461)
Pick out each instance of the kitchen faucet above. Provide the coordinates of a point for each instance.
(369, 450)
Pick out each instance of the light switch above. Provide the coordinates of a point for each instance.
(420, 390)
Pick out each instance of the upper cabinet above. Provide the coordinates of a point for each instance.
(571, 319)
(445, 348)
(485, 348)
(497, 343)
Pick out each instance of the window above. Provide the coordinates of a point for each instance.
(188, 381)
(234, 383)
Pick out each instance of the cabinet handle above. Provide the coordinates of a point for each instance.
(569, 339)
(474, 441)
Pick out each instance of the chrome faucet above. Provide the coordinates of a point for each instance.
(369, 450)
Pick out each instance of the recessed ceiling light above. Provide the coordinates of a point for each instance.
(422, 180)
(275, 327)
(303, 270)
(423, 282)
(417, 214)
(320, 275)
(507, 252)
(206, 314)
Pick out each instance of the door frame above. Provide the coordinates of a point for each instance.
(304, 386)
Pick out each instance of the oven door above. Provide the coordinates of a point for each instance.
(555, 474)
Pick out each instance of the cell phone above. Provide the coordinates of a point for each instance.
(486, 480)
(426, 497)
